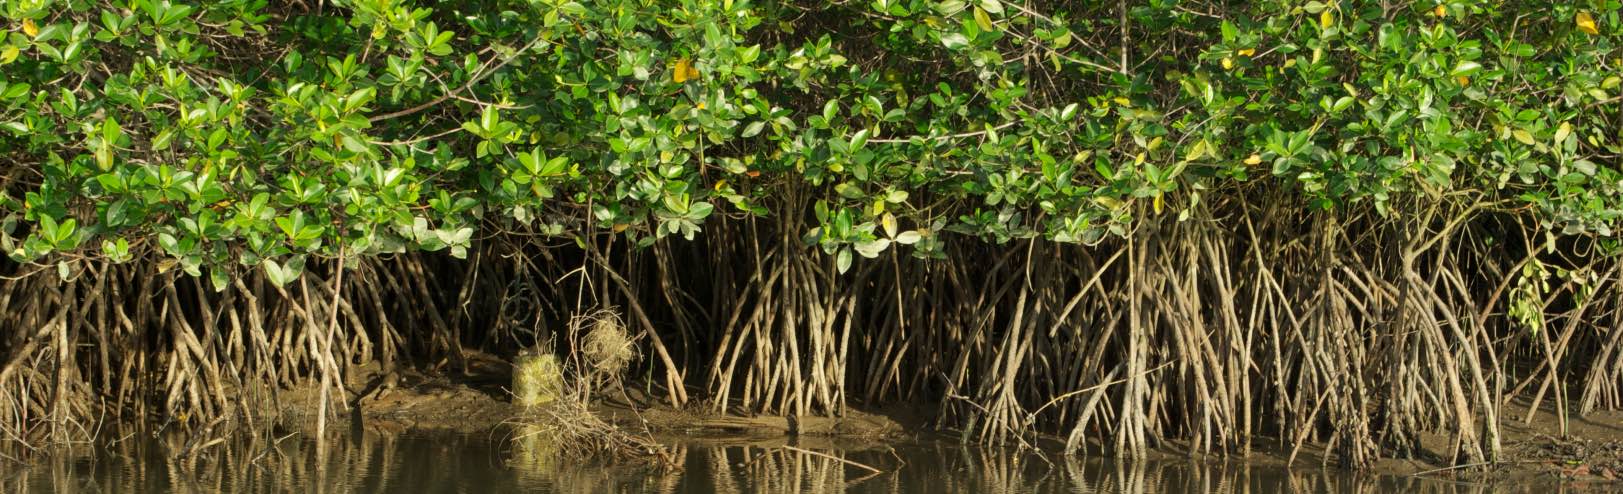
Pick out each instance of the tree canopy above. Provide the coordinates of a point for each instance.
(233, 135)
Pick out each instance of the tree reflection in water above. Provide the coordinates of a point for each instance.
(375, 461)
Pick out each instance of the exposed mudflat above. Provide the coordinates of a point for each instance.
(1592, 449)
(479, 400)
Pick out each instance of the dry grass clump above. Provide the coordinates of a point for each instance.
(608, 346)
(602, 347)
(568, 427)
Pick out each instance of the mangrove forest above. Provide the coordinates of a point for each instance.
(1106, 225)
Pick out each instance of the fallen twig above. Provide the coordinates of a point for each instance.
(835, 458)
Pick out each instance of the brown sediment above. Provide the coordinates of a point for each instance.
(854, 424)
(1591, 452)
(479, 401)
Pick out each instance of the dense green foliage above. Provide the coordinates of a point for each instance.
(236, 134)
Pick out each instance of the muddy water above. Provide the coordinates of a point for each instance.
(412, 462)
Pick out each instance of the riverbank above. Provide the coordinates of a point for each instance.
(1591, 452)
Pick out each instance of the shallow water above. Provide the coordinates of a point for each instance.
(476, 463)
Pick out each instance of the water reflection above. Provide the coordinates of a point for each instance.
(449, 462)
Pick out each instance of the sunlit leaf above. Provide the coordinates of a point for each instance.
(1586, 23)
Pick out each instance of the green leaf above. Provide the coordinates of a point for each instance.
(1342, 104)
(700, 210)
(219, 278)
(1068, 113)
(47, 228)
(282, 274)
(858, 140)
(63, 238)
(1466, 68)
(842, 261)
(573, 8)
(118, 251)
(954, 41)
(1585, 167)
(359, 98)
(111, 131)
(275, 273)
(161, 141)
(848, 191)
(871, 249)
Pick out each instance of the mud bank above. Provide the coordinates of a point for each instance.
(478, 401)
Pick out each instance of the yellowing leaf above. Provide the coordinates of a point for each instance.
(32, 30)
(1440, 11)
(1195, 151)
(679, 74)
(1586, 23)
(1562, 133)
(8, 54)
(1326, 19)
(1247, 52)
(1123, 101)
(1253, 160)
(1463, 80)
(1158, 203)
(984, 21)
(1228, 63)
(1521, 135)
(683, 71)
